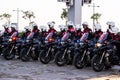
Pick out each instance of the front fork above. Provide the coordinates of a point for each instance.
(64, 53)
(83, 55)
(12, 49)
(102, 57)
(48, 51)
(29, 50)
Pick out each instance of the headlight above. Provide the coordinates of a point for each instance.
(81, 43)
(98, 45)
(46, 41)
(62, 42)
(10, 39)
(27, 40)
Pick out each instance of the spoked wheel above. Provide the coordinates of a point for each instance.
(61, 60)
(23, 55)
(96, 65)
(34, 55)
(44, 57)
(8, 54)
(78, 62)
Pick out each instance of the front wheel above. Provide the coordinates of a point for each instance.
(23, 55)
(60, 60)
(44, 57)
(78, 62)
(8, 53)
(96, 65)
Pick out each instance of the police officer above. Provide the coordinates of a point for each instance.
(14, 31)
(78, 31)
(71, 29)
(98, 32)
(86, 29)
(27, 32)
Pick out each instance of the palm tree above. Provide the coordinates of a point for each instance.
(64, 14)
(95, 17)
(28, 15)
(6, 16)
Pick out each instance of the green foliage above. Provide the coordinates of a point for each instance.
(28, 15)
(6, 16)
(95, 17)
(20, 34)
(64, 14)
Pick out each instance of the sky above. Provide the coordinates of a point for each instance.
(50, 10)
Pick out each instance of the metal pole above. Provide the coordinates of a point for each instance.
(93, 14)
(18, 19)
(93, 6)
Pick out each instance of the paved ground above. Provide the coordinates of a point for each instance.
(34, 70)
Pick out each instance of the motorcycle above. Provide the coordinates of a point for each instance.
(9, 50)
(104, 54)
(65, 53)
(29, 50)
(82, 53)
(48, 49)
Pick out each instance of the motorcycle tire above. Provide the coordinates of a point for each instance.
(43, 58)
(34, 56)
(58, 59)
(7, 55)
(96, 65)
(76, 61)
(23, 55)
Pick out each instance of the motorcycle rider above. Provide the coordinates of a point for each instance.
(78, 31)
(43, 31)
(52, 29)
(112, 30)
(14, 31)
(6, 30)
(34, 33)
(98, 32)
(71, 29)
(62, 30)
(87, 29)
(27, 32)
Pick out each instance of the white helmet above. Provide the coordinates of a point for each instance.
(77, 26)
(27, 27)
(111, 23)
(34, 24)
(6, 25)
(13, 26)
(70, 23)
(51, 24)
(114, 30)
(62, 27)
(44, 28)
(97, 27)
(85, 23)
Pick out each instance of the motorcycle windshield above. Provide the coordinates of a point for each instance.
(30, 36)
(49, 35)
(65, 37)
(84, 37)
(103, 37)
